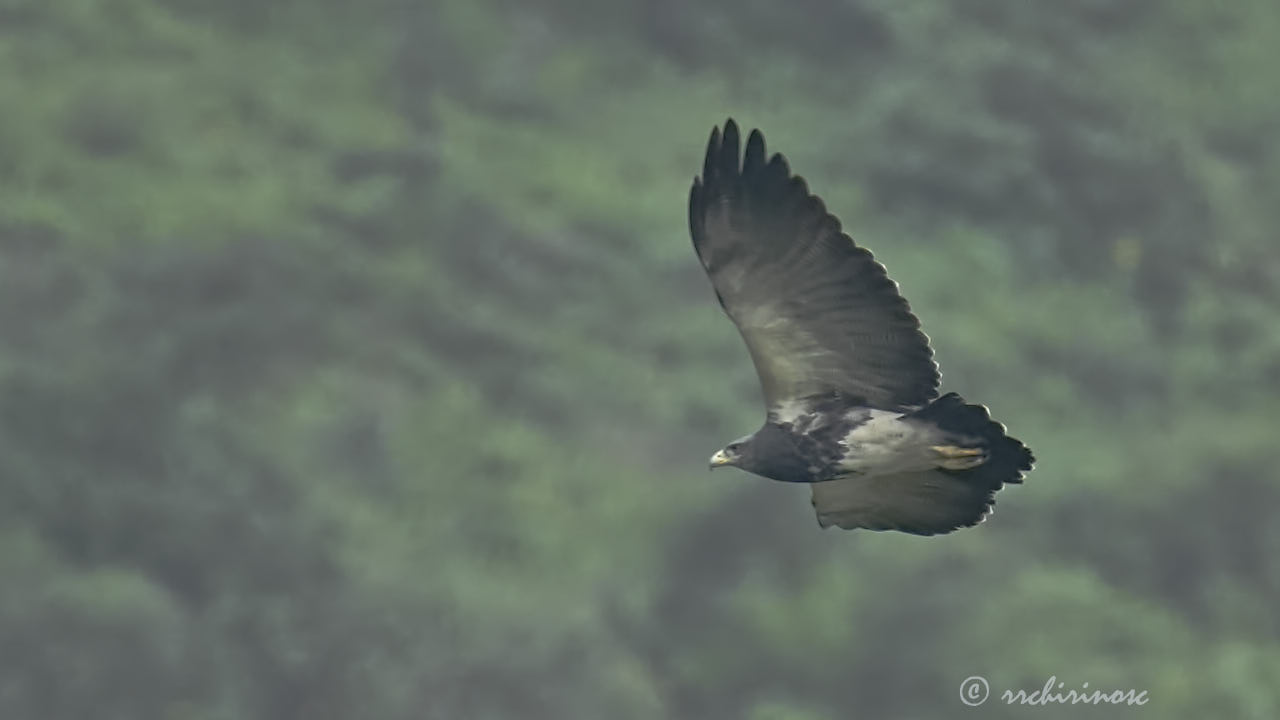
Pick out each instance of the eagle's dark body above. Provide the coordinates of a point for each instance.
(806, 447)
(849, 380)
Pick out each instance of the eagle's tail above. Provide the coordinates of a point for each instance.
(983, 453)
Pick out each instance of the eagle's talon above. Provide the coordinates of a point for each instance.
(955, 452)
(962, 463)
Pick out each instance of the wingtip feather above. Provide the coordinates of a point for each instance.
(713, 146)
(730, 149)
(754, 160)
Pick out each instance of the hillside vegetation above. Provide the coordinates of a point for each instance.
(355, 362)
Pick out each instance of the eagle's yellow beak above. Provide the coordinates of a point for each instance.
(720, 458)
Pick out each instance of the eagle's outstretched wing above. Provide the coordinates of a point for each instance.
(932, 502)
(817, 312)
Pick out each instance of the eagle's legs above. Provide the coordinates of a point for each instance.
(954, 457)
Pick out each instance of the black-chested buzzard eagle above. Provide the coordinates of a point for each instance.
(850, 385)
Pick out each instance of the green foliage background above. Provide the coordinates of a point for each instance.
(355, 363)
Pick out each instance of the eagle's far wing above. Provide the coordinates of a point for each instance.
(931, 502)
(817, 312)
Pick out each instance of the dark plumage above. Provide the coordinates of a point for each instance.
(848, 377)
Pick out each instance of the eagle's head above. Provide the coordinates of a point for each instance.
(771, 452)
(733, 454)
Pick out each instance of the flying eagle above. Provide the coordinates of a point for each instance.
(850, 384)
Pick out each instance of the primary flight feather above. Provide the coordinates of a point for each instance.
(849, 381)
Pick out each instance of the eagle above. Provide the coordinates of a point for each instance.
(848, 377)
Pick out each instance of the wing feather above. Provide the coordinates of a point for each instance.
(817, 312)
(931, 502)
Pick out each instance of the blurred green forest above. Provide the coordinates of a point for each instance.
(355, 362)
